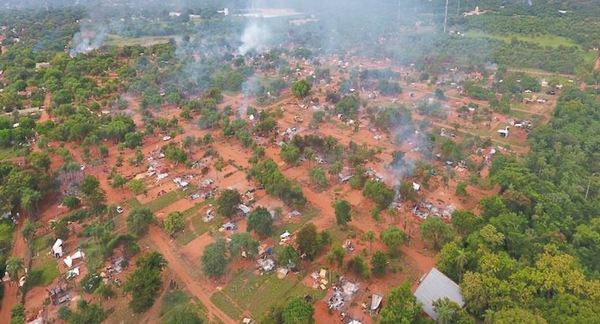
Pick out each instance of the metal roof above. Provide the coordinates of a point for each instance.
(436, 286)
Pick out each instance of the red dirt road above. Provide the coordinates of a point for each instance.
(11, 289)
(166, 248)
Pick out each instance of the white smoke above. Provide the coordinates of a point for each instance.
(88, 39)
(256, 36)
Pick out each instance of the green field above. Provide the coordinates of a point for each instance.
(43, 271)
(542, 40)
(176, 300)
(165, 200)
(146, 41)
(241, 291)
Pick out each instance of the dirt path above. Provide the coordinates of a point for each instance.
(166, 248)
(11, 289)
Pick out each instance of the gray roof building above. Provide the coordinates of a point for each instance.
(435, 285)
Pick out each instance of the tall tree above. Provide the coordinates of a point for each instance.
(214, 259)
(343, 212)
(435, 232)
(402, 307)
(228, 202)
(139, 220)
(393, 237)
(307, 241)
(260, 221)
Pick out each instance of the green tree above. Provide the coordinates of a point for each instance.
(243, 242)
(369, 236)
(343, 212)
(174, 223)
(260, 221)
(90, 187)
(318, 177)
(87, 314)
(337, 255)
(298, 311)
(466, 222)
(139, 220)
(288, 256)
(306, 239)
(402, 307)
(516, 315)
(118, 181)
(301, 88)
(393, 238)
(71, 202)
(28, 231)
(290, 153)
(451, 313)
(461, 189)
(14, 267)
(182, 314)
(40, 160)
(228, 202)
(17, 314)
(435, 232)
(145, 282)
(214, 260)
(359, 266)
(137, 186)
(379, 193)
(379, 263)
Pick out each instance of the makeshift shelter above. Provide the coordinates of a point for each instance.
(57, 249)
(70, 258)
(376, 300)
(435, 285)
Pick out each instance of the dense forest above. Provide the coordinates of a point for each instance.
(534, 249)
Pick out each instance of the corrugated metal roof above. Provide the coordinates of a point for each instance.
(436, 286)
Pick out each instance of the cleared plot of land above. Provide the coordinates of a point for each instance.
(195, 226)
(542, 40)
(147, 41)
(241, 292)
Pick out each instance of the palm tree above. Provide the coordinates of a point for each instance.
(14, 266)
(445, 311)
(461, 261)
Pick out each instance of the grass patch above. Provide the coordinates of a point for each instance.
(547, 40)
(165, 200)
(224, 303)
(195, 226)
(147, 41)
(245, 286)
(307, 215)
(134, 203)
(9, 153)
(42, 243)
(201, 227)
(43, 272)
(186, 236)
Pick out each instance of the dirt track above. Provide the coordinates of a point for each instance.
(11, 289)
(166, 248)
